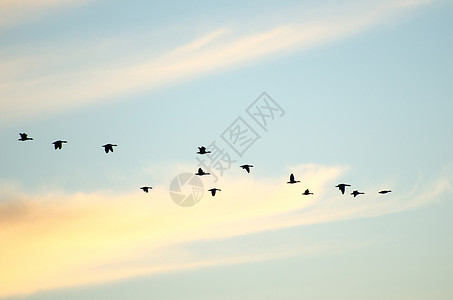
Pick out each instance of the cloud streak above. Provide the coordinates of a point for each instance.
(13, 12)
(220, 49)
(59, 240)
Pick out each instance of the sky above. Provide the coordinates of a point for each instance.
(356, 92)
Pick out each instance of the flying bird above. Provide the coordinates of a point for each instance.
(58, 144)
(201, 172)
(24, 137)
(307, 192)
(342, 186)
(146, 188)
(246, 167)
(109, 147)
(202, 150)
(291, 179)
(213, 191)
(356, 192)
(384, 191)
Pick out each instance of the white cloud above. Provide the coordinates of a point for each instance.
(87, 82)
(51, 241)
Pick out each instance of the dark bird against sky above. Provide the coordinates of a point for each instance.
(24, 137)
(146, 188)
(307, 192)
(384, 191)
(201, 172)
(291, 179)
(213, 191)
(202, 150)
(356, 192)
(246, 167)
(342, 186)
(58, 144)
(109, 147)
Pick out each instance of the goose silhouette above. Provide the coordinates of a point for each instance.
(246, 167)
(307, 192)
(356, 192)
(384, 191)
(58, 144)
(146, 188)
(201, 172)
(213, 191)
(291, 179)
(202, 150)
(24, 137)
(109, 147)
(342, 186)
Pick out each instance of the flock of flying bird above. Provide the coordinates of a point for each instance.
(202, 150)
(341, 186)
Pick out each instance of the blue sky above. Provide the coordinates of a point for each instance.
(366, 91)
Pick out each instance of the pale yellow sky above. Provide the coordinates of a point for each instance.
(50, 240)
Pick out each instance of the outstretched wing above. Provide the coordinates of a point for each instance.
(246, 167)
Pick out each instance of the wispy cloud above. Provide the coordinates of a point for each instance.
(86, 82)
(59, 240)
(13, 12)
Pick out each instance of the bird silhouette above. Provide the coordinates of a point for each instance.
(109, 147)
(202, 150)
(146, 188)
(246, 167)
(307, 192)
(356, 192)
(58, 144)
(384, 191)
(201, 172)
(342, 186)
(291, 179)
(24, 137)
(213, 191)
